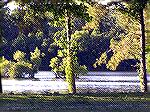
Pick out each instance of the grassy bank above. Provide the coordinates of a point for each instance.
(121, 102)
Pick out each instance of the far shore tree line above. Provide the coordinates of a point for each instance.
(119, 25)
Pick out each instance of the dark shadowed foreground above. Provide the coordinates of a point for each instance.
(121, 102)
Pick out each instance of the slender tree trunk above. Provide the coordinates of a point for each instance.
(142, 74)
(70, 76)
(0, 77)
(0, 61)
(1, 84)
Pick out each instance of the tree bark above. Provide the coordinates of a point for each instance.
(1, 91)
(0, 77)
(142, 74)
(0, 60)
(70, 76)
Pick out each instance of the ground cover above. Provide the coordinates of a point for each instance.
(104, 102)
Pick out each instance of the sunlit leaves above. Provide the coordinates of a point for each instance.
(19, 56)
(60, 39)
(148, 62)
(101, 60)
(132, 8)
(57, 65)
(26, 18)
(17, 69)
(35, 54)
(3, 63)
(21, 65)
(128, 45)
(95, 11)
(147, 27)
(127, 23)
(36, 59)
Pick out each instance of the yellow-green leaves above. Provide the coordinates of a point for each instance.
(17, 69)
(148, 62)
(3, 63)
(55, 64)
(19, 56)
(101, 60)
(21, 65)
(147, 27)
(35, 54)
(36, 59)
(127, 46)
(95, 11)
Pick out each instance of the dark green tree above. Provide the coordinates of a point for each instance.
(36, 61)
(67, 10)
(135, 10)
(58, 64)
(20, 67)
(62, 10)
(2, 3)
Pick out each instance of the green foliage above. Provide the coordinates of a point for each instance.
(96, 12)
(36, 59)
(36, 54)
(132, 8)
(54, 11)
(59, 63)
(128, 45)
(60, 39)
(79, 70)
(101, 60)
(12, 69)
(19, 56)
(21, 66)
(78, 42)
(148, 62)
(18, 69)
(26, 18)
(3, 64)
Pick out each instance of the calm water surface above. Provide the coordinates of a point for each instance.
(92, 82)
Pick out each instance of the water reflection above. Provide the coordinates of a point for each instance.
(93, 82)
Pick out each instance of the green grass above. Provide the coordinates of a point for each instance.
(108, 102)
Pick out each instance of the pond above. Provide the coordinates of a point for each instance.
(93, 82)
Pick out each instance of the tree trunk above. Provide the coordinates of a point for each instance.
(142, 74)
(70, 76)
(1, 83)
(1, 91)
(0, 60)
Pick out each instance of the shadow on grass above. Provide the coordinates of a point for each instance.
(102, 102)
